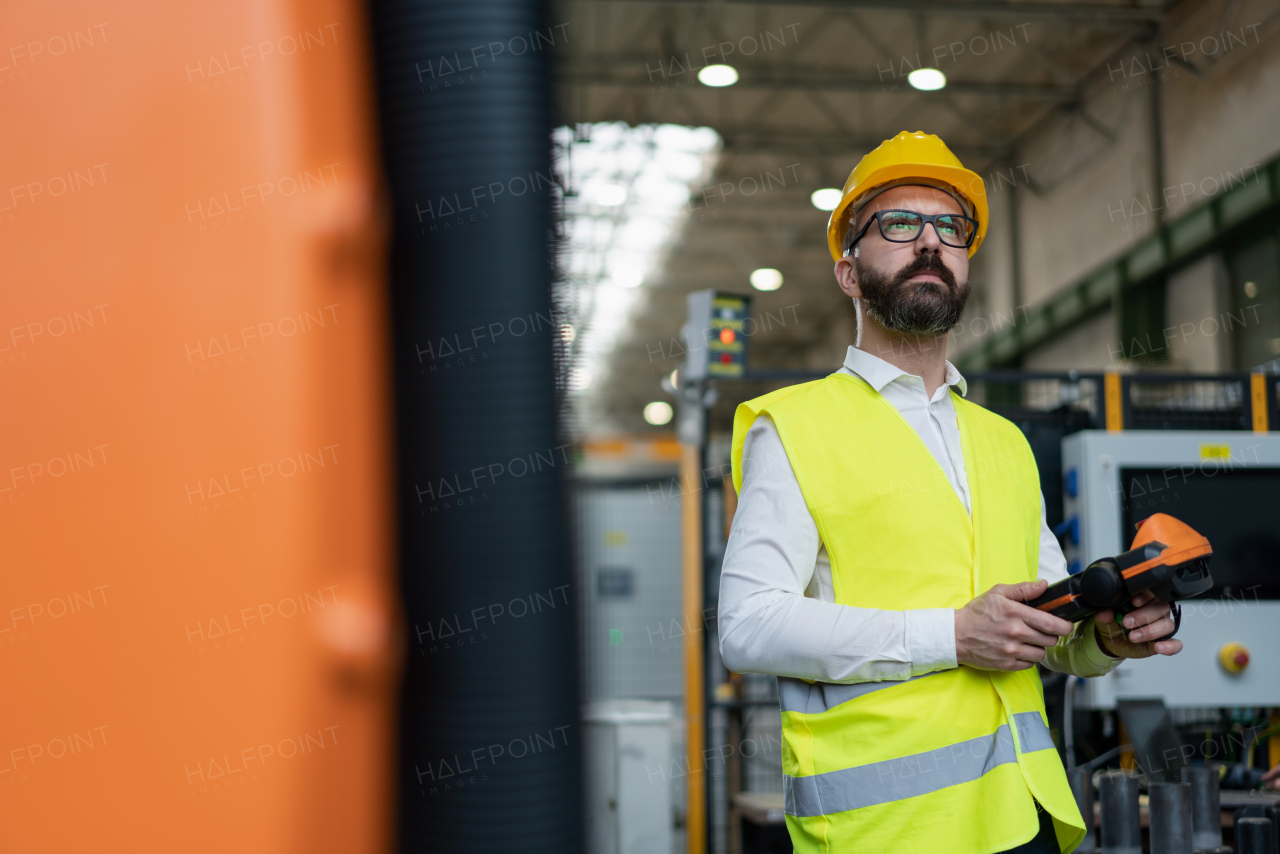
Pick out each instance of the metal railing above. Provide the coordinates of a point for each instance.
(1114, 401)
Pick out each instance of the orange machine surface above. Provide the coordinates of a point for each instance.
(197, 629)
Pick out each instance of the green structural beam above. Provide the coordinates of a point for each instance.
(1175, 245)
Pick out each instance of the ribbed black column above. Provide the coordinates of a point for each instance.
(490, 742)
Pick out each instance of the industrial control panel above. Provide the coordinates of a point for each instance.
(1226, 485)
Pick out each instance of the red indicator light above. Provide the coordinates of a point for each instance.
(725, 358)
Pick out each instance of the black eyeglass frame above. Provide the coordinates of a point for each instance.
(925, 220)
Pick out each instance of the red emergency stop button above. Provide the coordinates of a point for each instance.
(1233, 657)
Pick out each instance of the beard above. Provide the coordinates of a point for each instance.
(923, 308)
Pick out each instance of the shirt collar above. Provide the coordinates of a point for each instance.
(879, 373)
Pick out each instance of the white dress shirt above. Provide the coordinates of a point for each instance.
(777, 613)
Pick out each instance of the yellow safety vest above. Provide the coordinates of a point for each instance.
(948, 762)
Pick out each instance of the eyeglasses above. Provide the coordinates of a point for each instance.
(905, 226)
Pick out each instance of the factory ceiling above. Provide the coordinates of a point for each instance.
(821, 82)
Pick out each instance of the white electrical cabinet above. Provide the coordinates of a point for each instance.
(628, 754)
(1226, 485)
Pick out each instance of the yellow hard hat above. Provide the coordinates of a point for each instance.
(909, 155)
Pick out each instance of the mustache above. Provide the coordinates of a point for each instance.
(927, 263)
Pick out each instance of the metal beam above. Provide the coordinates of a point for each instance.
(806, 80)
(1089, 12)
(756, 141)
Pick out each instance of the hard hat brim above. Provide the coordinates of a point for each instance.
(966, 182)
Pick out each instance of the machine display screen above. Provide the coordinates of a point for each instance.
(1235, 508)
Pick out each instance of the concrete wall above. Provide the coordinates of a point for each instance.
(1193, 308)
(1226, 119)
(1070, 218)
(1093, 194)
(1089, 346)
(991, 269)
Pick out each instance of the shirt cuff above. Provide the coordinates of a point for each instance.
(1095, 656)
(931, 639)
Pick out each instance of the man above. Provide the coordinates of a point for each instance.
(887, 537)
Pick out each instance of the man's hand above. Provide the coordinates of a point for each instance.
(997, 631)
(1151, 620)
(1271, 779)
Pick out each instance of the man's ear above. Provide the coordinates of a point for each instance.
(847, 277)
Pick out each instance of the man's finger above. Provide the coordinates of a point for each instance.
(1023, 591)
(1169, 647)
(1043, 620)
(1143, 598)
(1149, 613)
(1023, 657)
(1151, 631)
(1030, 635)
(1028, 652)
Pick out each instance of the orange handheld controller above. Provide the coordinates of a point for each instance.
(1168, 557)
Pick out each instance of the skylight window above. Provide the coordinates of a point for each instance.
(628, 197)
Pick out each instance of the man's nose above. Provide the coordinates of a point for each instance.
(928, 241)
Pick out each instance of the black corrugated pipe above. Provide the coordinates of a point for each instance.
(490, 757)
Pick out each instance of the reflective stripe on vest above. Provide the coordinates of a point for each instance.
(918, 774)
(810, 698)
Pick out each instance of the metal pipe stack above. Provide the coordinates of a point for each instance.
(1258, 811)
(1206, 812)
(1081, 780)
(1121, 829)
(1171, 827)
(1255, 836)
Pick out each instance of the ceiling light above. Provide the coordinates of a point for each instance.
(658, 413)
(826, 199)
(766, 279)
(628, 278)
(718, 75)
(611, 195)
(927, 79)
